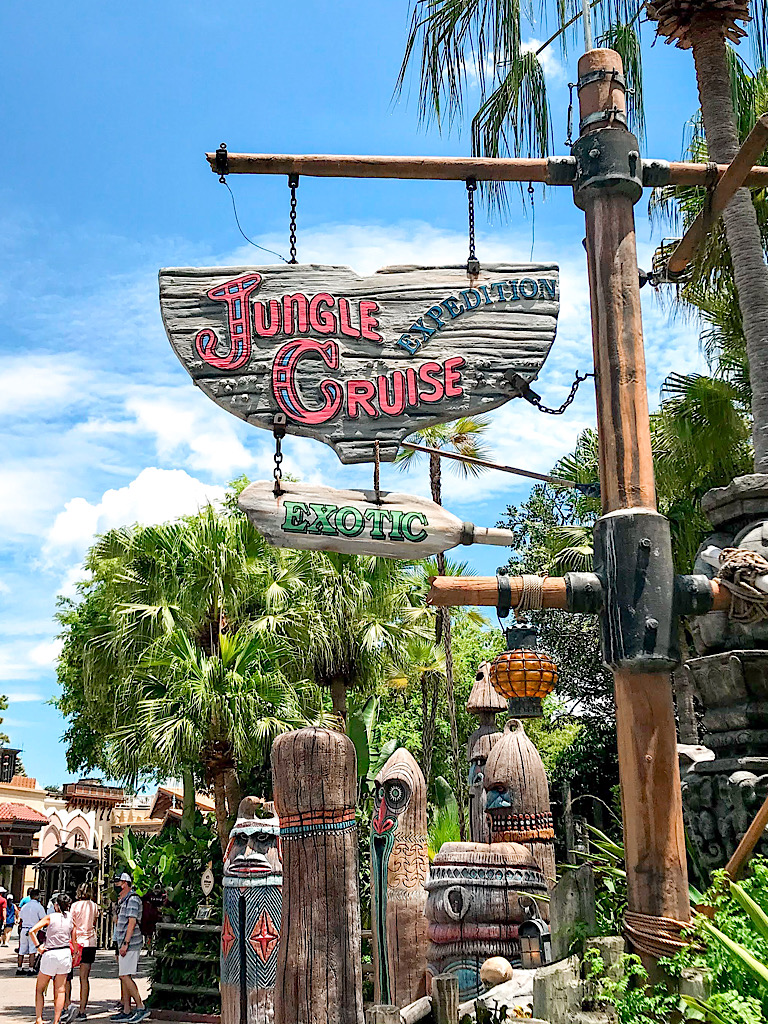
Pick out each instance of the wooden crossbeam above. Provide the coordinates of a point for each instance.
(732, 180)
(558, 170)
(464, 591)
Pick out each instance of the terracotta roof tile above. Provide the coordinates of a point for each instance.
(20, 812)
(23, 782)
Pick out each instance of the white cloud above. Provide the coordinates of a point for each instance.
(4, 588)
(22, 697)
(45, 387)
(551, 66)
(156, 495)
(46, 653)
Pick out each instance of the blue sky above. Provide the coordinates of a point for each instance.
(108, 109)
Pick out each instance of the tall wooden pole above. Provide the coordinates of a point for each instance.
(650, 782)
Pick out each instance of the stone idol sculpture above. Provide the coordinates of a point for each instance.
(486, 703)
(721, 796)
(517, 798)
(399, 871)
(319, 970)
(479, 895)
(250, 934)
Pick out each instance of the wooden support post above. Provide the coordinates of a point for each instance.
(749, 841)
(657, 879)
(382, 1015)
(732, 180)
(445, 999)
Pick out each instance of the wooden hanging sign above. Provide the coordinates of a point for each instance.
(317, 518)
(349, 360)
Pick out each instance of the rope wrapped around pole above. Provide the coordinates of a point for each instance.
(739, 570)
(655, 936)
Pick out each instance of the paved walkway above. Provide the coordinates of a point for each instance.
(17, 994)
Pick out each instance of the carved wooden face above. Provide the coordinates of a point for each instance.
(254, 848)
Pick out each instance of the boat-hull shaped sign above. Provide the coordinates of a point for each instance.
(349, 360)
(316, 518)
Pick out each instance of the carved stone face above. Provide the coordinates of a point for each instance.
(254, 848)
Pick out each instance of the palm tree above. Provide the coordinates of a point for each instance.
(219, 709)
(463, 436)
(347, 616)
(424, 665)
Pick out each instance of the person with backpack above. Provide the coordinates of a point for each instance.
(56, 953)
(127, 940)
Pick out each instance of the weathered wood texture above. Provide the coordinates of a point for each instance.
(445, 999)
(657, 878)
(749, 841)
(399, 872)
(341, 376)
(250, 933)
(485, 703)
(572, 913)
(317, 518)
(517, 797)
(478, 896)
(319, 976)
(382, 1015)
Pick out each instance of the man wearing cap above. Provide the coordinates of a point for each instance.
(32, 912)
(127, 942)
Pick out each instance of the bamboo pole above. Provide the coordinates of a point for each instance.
(549, 171)
(654, 840)
(731, 181)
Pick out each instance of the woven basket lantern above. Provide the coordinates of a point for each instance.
(523, 673)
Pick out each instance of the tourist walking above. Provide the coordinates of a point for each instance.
(3, 907)
(85, 911)
(127, 943)
(56, 952)
(10, 916)
(29, 915)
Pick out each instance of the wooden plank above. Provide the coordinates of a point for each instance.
(316, 518)
(445, 999)
(382, 1015)
(726, 189)
(749, 841)
(349, 360)
(419, 1010)
(456, 591)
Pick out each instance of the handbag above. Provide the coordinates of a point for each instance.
(77, 952)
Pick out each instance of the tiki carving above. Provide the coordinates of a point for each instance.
(250, 933)
(478, 897)
(486, 703)
(319, 973)
(399, 871)
(517, 798)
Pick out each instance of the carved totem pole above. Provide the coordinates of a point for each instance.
(250, 933)
(517, 798)
(319, 971)
(486, 703)
(477, 902)
(399, 871)
(722, 796)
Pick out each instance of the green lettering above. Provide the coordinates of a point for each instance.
(396, 532)
(295, 517)
(409, 518)
(376, 516)
(357, 521)
(323, 522)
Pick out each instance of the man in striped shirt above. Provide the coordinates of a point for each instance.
(127, 941)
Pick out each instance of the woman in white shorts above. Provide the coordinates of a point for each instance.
(57, 956)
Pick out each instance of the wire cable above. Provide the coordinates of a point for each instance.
(272, 252)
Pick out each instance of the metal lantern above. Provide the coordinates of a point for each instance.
(535, 943)
(523, 674)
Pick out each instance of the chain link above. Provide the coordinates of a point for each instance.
(278, 430)
(534, 399)
(569, 139)
(293, 184)
(473, 263)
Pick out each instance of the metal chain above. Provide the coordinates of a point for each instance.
(376, 472)
(473, 263)
(531, 195)
(533, 398)
(569, 139)
(278, 429)
(293, 184)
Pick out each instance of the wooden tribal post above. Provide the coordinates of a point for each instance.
(319, 972)
(399, 872)
(517, 798)
(250, 932)
(486, 704)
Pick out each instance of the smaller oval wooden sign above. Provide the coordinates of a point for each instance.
(317, 518)
(206, 882)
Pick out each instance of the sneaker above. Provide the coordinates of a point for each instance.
(80, 1016)
(140, 1015)
(20, 970)
(122, 1016)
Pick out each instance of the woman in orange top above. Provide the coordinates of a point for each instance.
(84, 914)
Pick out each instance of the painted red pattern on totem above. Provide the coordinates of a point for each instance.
(264, 937)
(227, 937)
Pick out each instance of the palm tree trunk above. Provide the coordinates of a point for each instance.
(741, 229)
(339, 698)
(188, 800)
(234, 793)
(220, 809)
(430, 694)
